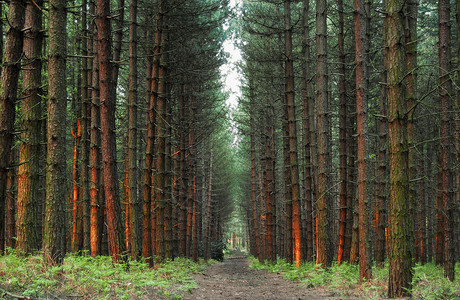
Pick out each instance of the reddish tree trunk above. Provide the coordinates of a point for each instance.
(8, 97)
(85, 117)
(28, 231)
(308, 145)
(95, 156)
(291, 125)
(361, 121)
(114, 231)
(152, 87)
(342, 137)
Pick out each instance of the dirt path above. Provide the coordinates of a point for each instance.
(233, 279)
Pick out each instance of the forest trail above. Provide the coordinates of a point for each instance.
(233, 279)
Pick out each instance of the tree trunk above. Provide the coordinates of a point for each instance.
(75, 204)
(54, 227)
(288, 241)
(96, 194)
(307, 99)
(381, 201)
(365, 271)
(8, 97)
(446, 188)
(411, 92)
(291, 121)
(28, 216)
(183, 178)
(268, 167)
(323, 252)
(421, 209)
(113, 209)
(431, 156)
(151, 73)
(399, 219)
(457, 138)
(342, 137)
(254, 212)
(132, 134)
(207, 237)
(168, 200)
(85, 120)
(190, 180)
(11, 200)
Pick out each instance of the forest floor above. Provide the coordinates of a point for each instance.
(233, 279)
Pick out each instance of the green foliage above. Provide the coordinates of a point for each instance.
(96, 277)
(428, 281)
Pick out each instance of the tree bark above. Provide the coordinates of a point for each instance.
(323, 252)
(342, 136)
(85, 120)
(254, 212)
(190, 177)
(113, 209)
(28, 231)
(207, 237)
(307, 100)
(446, 189)
(54, 227)
(365, 271)
(11, 200)
(132, 200)
(8, 97)
(96, 186)
(399, 218)
(381, 201)
(291, 121)
(151, 74)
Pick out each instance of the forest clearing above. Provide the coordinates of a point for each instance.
(142, 138)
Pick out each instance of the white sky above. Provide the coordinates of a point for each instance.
(230, 77)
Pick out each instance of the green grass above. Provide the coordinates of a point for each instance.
(428, 280)
(95, 277)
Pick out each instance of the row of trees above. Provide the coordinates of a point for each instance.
(127, 87)
(361, 165)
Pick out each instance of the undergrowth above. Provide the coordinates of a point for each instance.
(86, 277)
(428, 280)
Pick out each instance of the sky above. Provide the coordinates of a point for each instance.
(231, 78)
